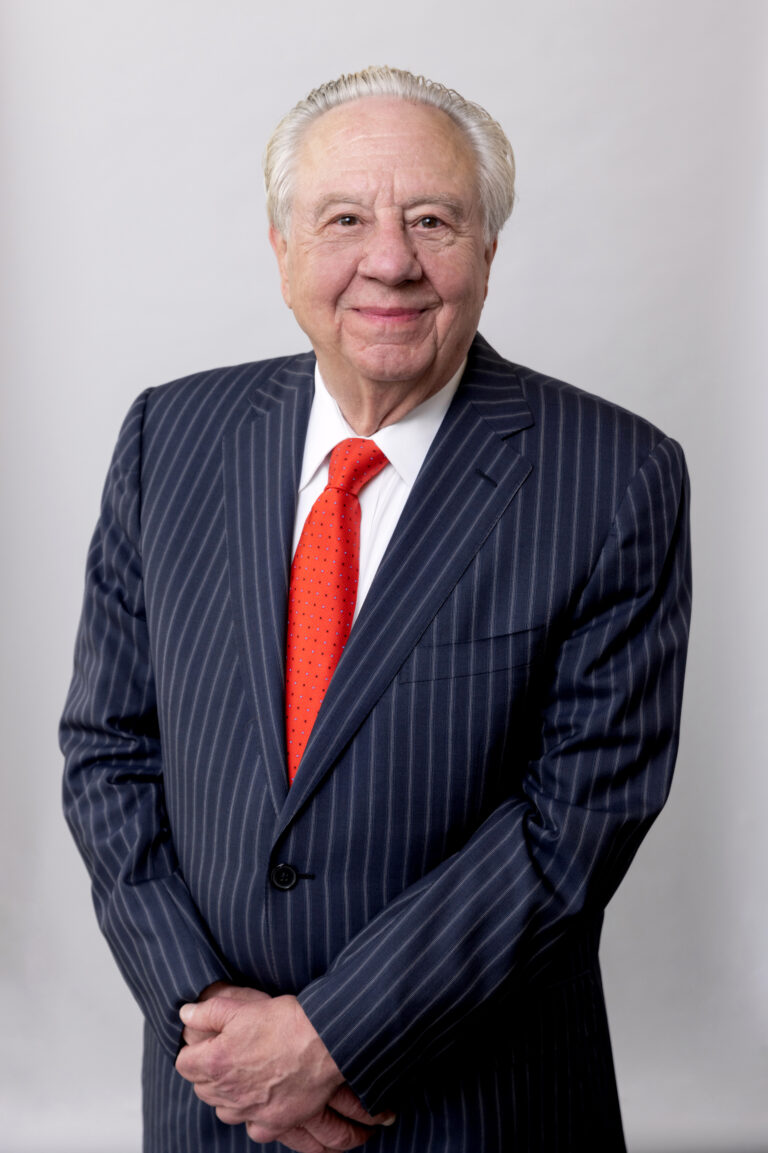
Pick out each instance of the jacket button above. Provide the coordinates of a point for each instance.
(284, 877)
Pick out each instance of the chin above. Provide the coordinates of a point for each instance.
(387, 368)
(384, 376)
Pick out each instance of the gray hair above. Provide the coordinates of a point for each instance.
(495, 160)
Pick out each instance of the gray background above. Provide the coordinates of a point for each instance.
(134, 249)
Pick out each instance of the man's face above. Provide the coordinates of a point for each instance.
(385, 264)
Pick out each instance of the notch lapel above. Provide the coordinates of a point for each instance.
(262, 467)
(470, 475)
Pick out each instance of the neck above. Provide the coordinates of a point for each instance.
(372, 405)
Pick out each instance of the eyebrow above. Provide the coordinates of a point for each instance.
(455, 206)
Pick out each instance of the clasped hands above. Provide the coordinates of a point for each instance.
(259, 1061)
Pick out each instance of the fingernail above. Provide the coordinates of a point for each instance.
(388, 1118)
(185, 1012)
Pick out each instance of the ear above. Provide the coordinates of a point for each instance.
(490, 252)
(280, 249)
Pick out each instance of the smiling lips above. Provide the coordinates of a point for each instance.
(394, 314)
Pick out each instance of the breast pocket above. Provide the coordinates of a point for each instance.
(472, 658)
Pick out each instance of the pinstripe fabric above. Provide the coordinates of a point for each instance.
(498, 736)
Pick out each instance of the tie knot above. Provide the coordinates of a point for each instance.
(353, 463)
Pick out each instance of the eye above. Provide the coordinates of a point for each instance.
(347, 220)
(429, 222)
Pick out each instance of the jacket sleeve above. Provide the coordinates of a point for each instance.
(450, 946)
(113, 779)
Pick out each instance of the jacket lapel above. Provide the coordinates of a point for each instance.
(262, 466)
(470, 475)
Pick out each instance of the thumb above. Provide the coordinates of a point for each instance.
(209, 1016)
(346, 1102)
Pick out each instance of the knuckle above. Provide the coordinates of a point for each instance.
(334, 1131)
(228, 1116)
(349, 1104)
(215, 1065)
(273, 1118)
(237, 1095)
(258, 1132)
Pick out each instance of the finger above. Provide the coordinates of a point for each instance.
(214, 990)
(201, 1062)
(242, 993)
(346, 1102)
(297, 1139)
(222, 1100)
(230, 1114)
(208, 1091)
(195, 1036)
(333, 1131)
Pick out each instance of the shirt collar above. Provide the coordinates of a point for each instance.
(405, 444)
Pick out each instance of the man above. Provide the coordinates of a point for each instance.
(361, 901)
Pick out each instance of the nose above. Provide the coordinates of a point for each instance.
(390, 254)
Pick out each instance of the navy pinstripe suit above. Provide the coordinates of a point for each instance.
(496, 740)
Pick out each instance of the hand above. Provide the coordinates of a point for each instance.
(236, 992)
(258, 1060)
(329, 1131)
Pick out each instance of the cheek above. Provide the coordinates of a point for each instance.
(456, 271)
(461, 285)
(328, 276)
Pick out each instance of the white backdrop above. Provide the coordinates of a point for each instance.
(134, 251)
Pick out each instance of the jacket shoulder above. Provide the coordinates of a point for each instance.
(231, 385)
(561, 410)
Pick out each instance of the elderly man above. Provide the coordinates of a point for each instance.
(378, 682)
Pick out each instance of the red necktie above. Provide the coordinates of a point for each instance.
(323, 592)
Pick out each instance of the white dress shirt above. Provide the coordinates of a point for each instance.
(405, 445)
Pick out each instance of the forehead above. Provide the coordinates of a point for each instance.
(381, 136)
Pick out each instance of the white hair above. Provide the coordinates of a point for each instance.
(493, 152)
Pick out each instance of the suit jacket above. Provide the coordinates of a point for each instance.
(498, 735)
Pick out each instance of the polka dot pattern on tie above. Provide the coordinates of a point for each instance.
(323, 591)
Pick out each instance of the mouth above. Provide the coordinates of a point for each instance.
(391, 315)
